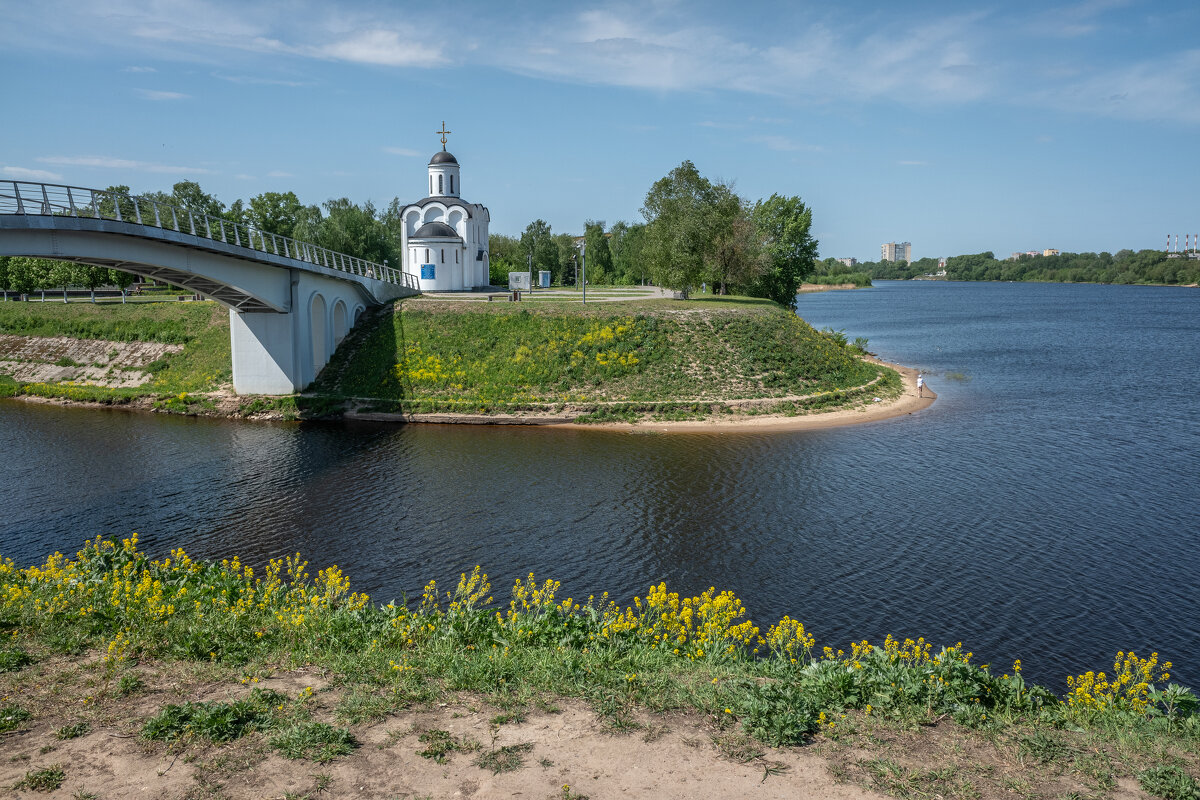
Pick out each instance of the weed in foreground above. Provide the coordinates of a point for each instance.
(73, 731)
(315, 741)
(1169, 783)
(508, 758)
(46, 779)
(439, 744)
(11, 717)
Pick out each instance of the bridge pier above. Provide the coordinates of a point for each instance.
(265, 353)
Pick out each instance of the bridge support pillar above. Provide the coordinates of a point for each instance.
(266, 353)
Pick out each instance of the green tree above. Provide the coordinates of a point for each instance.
(278, 212)
(355, 230)
(538, 240)
(599, 256)
(122, 280)
(680, 211)
(785, 225)
(627, 242)
(568, 257)
(737, 258)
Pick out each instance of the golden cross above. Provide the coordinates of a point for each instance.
(443, 132)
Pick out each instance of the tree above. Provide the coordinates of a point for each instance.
(568, 257)
(538, 241)
(122, 280)
(737, 257)
(627, 242)
(277, 212)
(599, 257)
(680, 211)
(355, 230)
(785, 225)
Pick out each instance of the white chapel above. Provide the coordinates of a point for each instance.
(444, 239)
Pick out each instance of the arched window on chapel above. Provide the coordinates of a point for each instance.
(439, 184)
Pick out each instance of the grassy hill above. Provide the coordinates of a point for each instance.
(610, 360)
(607, 360)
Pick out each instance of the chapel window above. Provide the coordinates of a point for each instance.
(451, 184)
(426, 255)
(439, 184)
(443, 255)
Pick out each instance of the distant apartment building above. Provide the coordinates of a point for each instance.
(849, 262)
(1049, 251)
(892, 251)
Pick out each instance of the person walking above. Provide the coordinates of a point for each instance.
(920, 385)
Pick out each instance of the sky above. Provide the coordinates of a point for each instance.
(959, 127)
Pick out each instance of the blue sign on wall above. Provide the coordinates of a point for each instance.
(427, 272)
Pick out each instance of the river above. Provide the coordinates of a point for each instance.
(1044, 508)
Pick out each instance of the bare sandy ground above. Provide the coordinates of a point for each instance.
(567, 745)
(906, 403)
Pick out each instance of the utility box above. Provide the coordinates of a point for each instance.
(544, 279)
(519, 282)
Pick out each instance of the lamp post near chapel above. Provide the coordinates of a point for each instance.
(583, 267)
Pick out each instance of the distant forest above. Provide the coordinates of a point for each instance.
(1125, 266)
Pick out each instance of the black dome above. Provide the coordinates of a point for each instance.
(442, 157)
(435, 230)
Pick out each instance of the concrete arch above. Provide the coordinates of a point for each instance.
(340, 327)
(318, 315)
(358, 312)
(434, 212)
(455, 219)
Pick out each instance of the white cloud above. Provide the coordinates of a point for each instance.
(31, 174)
(278, 173)
(913, 163)
(152, 94)
(785, 144)
(401, 151)
(139, 69)
(387, 48)
(241, 176)
(253, 80)
(1161, 89)
(105, 162)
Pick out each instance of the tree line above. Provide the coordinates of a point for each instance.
(696, 231)
(1124, 266)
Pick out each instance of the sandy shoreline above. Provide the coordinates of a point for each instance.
(863, 411)
(906, 403)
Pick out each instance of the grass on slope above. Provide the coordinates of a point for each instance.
(202, 328)
(432, 355)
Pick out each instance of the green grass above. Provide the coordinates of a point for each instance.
(202, 366)
(170, 323)
(314, 741)
(215, 721)
(612, 361)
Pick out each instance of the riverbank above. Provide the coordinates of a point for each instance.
(718, 361)
(190, 679)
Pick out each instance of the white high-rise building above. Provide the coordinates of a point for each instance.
(891, 251)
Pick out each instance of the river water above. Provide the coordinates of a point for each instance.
(1044, 508)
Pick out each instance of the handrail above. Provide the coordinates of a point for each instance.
(49, 199)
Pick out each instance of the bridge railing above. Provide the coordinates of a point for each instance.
(22, 197)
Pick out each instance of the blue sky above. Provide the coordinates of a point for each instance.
(959, 127)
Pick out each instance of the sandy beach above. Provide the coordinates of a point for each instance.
(906, 403)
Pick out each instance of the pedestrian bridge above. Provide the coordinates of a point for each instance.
(290, 302)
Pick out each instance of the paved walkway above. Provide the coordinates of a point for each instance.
(596, 294)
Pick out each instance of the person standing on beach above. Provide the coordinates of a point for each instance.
(920, 385)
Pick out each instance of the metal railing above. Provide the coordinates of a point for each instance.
(22, 197)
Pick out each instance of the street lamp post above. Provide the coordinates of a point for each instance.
(583, 266)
